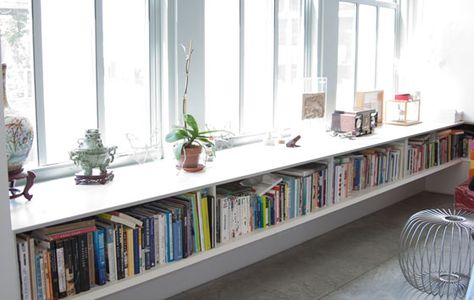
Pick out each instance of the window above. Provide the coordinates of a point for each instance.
(81, 70)
(366, 49)
(17, 52)
(254, 71)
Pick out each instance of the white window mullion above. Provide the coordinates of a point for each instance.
(39, 88)
(155, 71)
(356, 60)
(308, 37)
(275, 60)
(99, 55)
(242, 64)
(376, 44)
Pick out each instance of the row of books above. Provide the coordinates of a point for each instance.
(434, 149)
(64, 260)
(288, 194)
(367, 168)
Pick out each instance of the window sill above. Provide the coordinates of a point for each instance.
(60, 200)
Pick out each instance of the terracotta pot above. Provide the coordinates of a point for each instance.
(190, 157)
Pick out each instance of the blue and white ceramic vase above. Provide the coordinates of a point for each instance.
(19, 134)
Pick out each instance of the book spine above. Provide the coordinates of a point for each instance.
(111, 254)
(199, 217)
(147, 244)
(90, 253)
(38, 277)
(151, 220)
(68, 234)
(174, 228)
(162, 239)
(84, 262)
(69, 267)
(61, 269)
(136, 254)
(156, 238)
(130, 249)
(170, 240)
(47, 274)
(119, 251)
(197, 238)
(125, 251)
(76, 264)
(99, 253)
(24, 263)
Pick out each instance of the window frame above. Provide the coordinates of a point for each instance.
(395, 5)
(311, 26)
(155, 26)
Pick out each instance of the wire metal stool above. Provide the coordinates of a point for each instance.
(437, 251)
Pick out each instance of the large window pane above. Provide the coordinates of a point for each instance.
(222, 64)
(126, 71)
(366, 47)
(258, 66)
(290, 62)
(68, 74)
(346, 56)
(386, 53)
(17, 53)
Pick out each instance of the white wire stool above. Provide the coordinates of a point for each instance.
(437, 251)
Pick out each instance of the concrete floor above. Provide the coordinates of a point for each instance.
(356, 261)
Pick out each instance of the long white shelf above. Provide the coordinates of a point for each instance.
(59, 201)
(117, 286)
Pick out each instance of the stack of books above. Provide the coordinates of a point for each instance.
(278, 197)
(64, 260)
(434, 149)
(369, 168)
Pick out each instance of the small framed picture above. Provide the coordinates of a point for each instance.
(371, 100)
(313, 105)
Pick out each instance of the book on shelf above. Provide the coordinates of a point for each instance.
(24, 266)
(118, 219)
(66, 230)
(99, 254)
(262, 184)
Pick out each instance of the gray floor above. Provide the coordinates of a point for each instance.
(356, 261)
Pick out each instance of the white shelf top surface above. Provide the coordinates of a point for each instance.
(61, 200)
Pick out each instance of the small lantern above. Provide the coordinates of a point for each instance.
(403, 110)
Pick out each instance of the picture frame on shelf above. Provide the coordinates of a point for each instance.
(371, 100)
(313, 105)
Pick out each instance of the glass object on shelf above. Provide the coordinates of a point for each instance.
(403, 110)
(145, 150)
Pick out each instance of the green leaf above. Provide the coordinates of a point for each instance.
(178, 148)
(215, 131)
(177, 134)
(189, 119)
(205, 140)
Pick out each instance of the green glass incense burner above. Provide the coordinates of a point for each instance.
(91, 154)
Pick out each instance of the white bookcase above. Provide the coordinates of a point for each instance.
(60, 200)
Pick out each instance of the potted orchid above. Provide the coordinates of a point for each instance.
(189, 139)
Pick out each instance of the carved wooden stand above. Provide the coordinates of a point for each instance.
(94, 179)
(17, 175)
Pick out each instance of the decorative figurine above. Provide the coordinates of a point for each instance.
(19, 139)
(92, 154)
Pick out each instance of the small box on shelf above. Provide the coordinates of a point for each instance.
(403, 110)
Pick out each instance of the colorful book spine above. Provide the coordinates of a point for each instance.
(99, 253)
(24, 262)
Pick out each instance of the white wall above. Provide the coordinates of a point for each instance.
(439, 58)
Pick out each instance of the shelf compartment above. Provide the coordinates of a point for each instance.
(356, 197)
